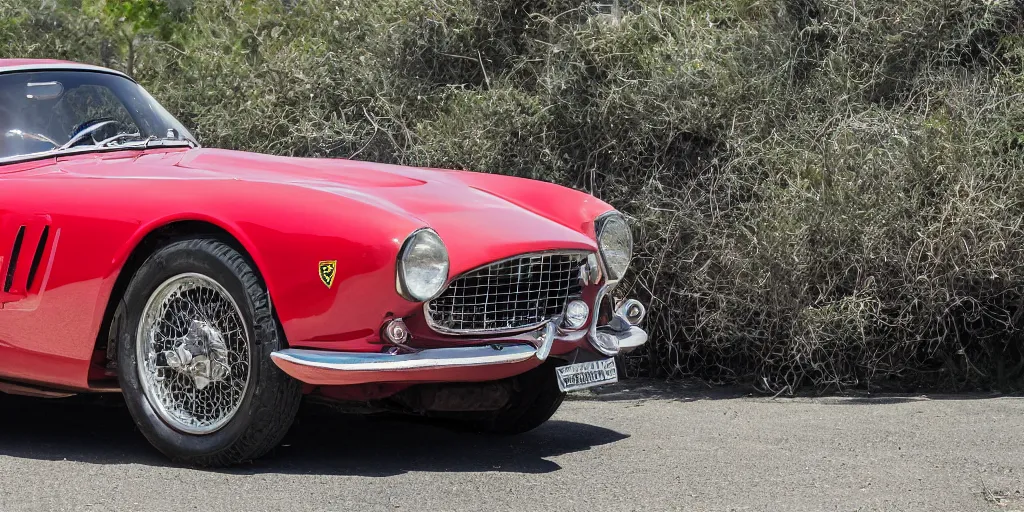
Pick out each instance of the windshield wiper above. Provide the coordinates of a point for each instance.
(105, 143)
(170, 140)
(145, 143)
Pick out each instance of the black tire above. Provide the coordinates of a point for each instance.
(271, 399)
(535, 399)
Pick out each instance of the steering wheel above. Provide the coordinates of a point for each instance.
(89, 129)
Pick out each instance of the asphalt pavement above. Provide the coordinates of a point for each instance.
(638, 446)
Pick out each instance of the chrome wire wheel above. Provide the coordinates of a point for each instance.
(192, 350)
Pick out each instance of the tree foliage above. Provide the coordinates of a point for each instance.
(824, 193)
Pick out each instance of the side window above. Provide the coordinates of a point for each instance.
(89, 103)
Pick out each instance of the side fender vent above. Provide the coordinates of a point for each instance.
(37, 258)
(12, 265)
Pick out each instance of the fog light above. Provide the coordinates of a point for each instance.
(396, 332)
(576, 313)
(633, 311)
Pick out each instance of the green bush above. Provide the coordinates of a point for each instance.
(824, 193)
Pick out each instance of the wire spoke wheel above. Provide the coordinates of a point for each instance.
(195, 331)
(193, 354)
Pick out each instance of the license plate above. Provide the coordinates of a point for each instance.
(585, 375)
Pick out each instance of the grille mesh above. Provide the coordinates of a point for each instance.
(507, 295)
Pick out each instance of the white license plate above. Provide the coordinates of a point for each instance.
(585, 375)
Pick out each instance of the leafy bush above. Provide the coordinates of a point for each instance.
(824, 193)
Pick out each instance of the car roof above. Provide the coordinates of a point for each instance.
(12, 65)
(4, 63)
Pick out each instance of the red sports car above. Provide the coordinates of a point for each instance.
(215, 288)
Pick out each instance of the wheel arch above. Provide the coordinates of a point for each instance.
(137, 251)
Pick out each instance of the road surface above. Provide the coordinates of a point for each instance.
(642, 446)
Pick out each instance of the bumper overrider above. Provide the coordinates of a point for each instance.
(500, 358)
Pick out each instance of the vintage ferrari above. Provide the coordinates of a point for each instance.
(215, 289)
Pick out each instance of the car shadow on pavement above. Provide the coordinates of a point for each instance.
(98, 429)
(389, 445)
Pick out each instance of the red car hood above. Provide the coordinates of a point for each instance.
(477, 215)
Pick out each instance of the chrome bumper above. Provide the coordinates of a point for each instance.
(464, 364)
(504, 358)
(629, 340)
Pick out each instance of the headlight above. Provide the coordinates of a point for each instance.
(422, 266)
(615, 242)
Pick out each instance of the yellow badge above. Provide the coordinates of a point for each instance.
(328, 269)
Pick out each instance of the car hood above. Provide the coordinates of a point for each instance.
(479, 216)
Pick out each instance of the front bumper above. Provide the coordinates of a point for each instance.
(501, 359)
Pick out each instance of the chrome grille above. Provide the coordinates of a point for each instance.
(507, 295)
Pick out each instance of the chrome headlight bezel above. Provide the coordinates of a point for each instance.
(614, 265)
(416, 292)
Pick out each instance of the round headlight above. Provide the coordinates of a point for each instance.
(422, 266)
(616, 244)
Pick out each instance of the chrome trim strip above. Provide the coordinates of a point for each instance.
(436, 358)
(57, 66)
(453, 332)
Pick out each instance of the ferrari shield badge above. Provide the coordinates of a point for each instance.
(327, 271)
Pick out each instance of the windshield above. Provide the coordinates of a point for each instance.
(46, 111)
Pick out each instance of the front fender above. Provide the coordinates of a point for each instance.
(288, 239)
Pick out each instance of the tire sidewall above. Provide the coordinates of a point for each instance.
(195, 256)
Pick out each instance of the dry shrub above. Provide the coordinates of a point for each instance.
(824, 193)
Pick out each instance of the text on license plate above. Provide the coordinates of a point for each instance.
(585, 375)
